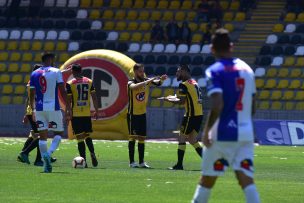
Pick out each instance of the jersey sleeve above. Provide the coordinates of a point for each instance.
(68, 89)
(32, 81)
(59, 77)
(213, 82)
(182, 90)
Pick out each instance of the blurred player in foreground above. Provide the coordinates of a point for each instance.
(44, 101)
(228, 134)
(138, 93)
(80, 89)
(190, 95)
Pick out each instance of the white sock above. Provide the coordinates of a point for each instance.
(55, 144)
(201, 194)
(251, 193)
(43, 146)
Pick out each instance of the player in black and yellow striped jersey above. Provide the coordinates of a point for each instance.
(138, 92)
(80, 89)
(190, 95)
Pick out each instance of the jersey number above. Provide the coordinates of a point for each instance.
(43, 84)
(83, 92)
(240, 85)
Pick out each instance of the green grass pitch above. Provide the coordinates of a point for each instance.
(279, 176)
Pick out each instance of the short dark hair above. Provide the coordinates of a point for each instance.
(36, 66)
(137, 66)
(46, 55)
(76, 67)
(221, 41)
(184, 67)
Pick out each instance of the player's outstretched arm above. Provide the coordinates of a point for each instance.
(141, 84)
(95, 103)
(32, 101)
(159, 80)
(65, 100)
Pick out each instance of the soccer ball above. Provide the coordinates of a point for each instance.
(78, 162)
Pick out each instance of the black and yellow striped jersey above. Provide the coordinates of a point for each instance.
(80, 89)
(193, 94)
(138, 98)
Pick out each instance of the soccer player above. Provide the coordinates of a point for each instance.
(44, 101)
(138, 92)
(190, 95)
(79, 90)
(228, 134)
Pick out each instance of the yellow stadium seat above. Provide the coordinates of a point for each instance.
(151, 4)
(290, 17)
(276, 95)
(224, 5)
(115, 4)
(193, 26)
(126, 4)
(136, 37)
(63, 57)
(20, 89)
(27, 78)
(276, 105)
(156, 15)
(270, 84)
(144, 26)
(25, 68)
(132, 15)
(278, 28)
(263, 105)
(36, 46)
(13, 67)
(97, 3)
(147, 37)
(197, 38)
(94, 14)
(299, 95)
(3, 56)
(15, 56)
(24, 46)
(2, 45)
(229, 27)
(288, 95)
(37, 57)
(299, 106)
(264, 94)
(191, 15)
(61, 46)
(121, 25)
(235, 5)
(186, 5)
(124, 36)
(168, 91)
(300, 18)
(168, 15)
(300, 61)
(156, 92)
(120, 15)
(27, 57)
(139, 4)
(228, 16)
(174, 5)
(180, 16)
(203, 27)
(12, 46)
(283, 72)
(289, 61)
(7, 89)
(5, 100)
(18, 100)
(289, 105)
(283, 84)
(272, 72)
(295, 73)
(109, 25)
(17, 78)
(85, 3)
(196, 4)
(2, 67)
(5, 78)
(162, 4)
(49, 46)
(168, 104)
(144, 16)
(132, 26)
(108, 15)
(155, 103)
(295, 84)
(240, 16)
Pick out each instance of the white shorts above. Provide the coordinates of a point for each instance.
(221, 155)
(49, 120)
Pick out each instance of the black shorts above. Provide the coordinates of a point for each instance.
(82, 125)
(137, 124)
(32, 123)
(190, 124)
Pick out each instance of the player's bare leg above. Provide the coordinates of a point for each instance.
(141, 152)
(180, 153)
(131, 147)
(248, 187)
(44, 152)
(193, 141)
(89, 142)
(203, 189)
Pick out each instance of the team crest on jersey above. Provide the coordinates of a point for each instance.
(220, 165)
(247, 164)
(140, 96)
(52, 124)
(39, 124)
